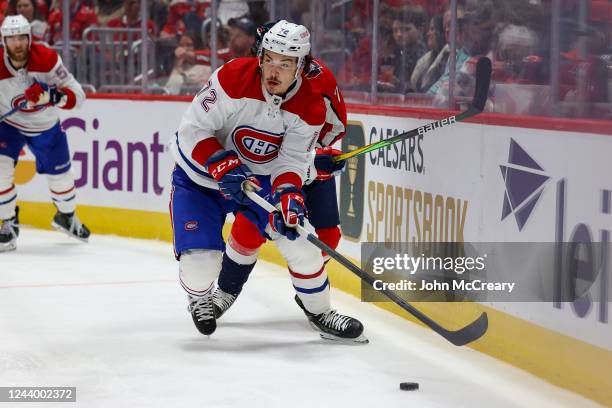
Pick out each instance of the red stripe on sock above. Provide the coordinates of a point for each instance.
(9, 190)
(300, 276)
(64, 192)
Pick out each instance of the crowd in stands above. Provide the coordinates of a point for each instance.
(413, 38)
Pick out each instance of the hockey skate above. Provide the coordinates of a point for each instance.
(335, 326)
(71, 225)
(9, 231)
(222, 301)
(201, 309)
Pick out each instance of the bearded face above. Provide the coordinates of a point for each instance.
(17, 48)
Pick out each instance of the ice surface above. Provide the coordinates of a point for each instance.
(110, 318)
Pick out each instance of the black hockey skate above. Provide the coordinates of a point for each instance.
(9, 231)
(71, 225)
(335, 326)
(201, 309)
(222, 301)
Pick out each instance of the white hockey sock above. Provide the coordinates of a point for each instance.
(63, 191)
(307, 271)
(198, 269)
(8, 192)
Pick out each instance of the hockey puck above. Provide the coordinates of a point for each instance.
(409, 386)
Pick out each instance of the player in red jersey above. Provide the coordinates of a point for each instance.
(245, 240)
(35, 83)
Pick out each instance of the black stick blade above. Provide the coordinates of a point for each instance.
(469, 333)
(483, 79)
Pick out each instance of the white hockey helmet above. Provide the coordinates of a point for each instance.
(15, 25)
(288, 39)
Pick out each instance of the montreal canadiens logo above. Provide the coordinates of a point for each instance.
(256, 146)
(21, 98)
(191, 225)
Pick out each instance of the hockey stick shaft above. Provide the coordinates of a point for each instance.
(15, 109)
(460, 337)
(483, 78)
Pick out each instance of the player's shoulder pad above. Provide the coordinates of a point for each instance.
(42, 58)
(4, 72)
(241, 78)
(308, 104)
(321, 77)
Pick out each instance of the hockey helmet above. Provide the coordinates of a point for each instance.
(15, 25)
(288, 39)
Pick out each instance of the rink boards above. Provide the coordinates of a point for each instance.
(449, 185)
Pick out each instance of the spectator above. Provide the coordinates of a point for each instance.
(223, 52)
(229, 9)
(82, 16)
(514, 58)
(478, 29)
(3, 9)
(477, 34)
(186, 71)
(28, 9)
(131, 19)
(241, 36)
(425, 73)
(408, 48)
(108, 10)
(442, 60)
(175, 26)
(259, 13)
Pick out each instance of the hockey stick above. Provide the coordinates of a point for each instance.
(15, 109)
(463, 336)
(483, 77)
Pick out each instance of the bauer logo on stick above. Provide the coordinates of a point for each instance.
(435, 125)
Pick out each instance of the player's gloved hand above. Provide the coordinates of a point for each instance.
(325, 165)
(230, 172)
(40, 93)
(291, 211)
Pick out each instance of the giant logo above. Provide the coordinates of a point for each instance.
(524, 180)
(257, 146)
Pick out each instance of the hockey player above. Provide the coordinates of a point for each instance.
(33, 76)
(321, 199)
(257, 119)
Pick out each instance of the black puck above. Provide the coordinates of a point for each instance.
(409, 386)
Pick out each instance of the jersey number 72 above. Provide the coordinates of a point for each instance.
(211, 98)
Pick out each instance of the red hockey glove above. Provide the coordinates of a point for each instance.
(291, 211)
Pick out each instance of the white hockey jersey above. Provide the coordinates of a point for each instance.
(271, 135)
(46, 66)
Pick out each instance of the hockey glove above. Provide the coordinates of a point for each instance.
(291, 211)
(230, 172)
(40, 93)
(326, 167)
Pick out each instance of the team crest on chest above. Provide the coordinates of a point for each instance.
(257, 146)
(21, 98)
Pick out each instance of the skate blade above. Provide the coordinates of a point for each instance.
(357, 340)
(8, 247)
(59, 228)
